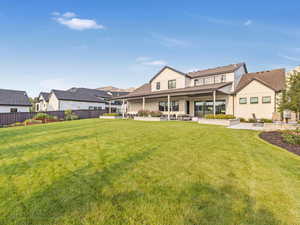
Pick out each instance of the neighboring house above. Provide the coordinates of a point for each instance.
(14, 101)
(43, 101)
(78, 98)
(221, 90)
(114, 89)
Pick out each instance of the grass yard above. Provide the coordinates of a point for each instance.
(137, 173)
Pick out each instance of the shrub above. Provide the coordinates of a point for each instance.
(143, 113)
(264, 120)
(155, 113)
(291, 137)
(111, 114)
(243, 120)
(42, 116)
(251, 120)
(219, 116)
(32, 122)
(69, 115)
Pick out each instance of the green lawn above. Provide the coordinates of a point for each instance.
(155, 173)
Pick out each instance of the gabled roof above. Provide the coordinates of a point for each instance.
(217, 70)
(167, 67)
(274, 79)
(145, 90)
(88, 91)
(14, 98)
(81, 95)
(45, 95)
(114, 89)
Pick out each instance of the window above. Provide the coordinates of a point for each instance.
(198, 82)
(223, 78)
(174, 106)
(266, 99)
(209, 80)
(243, 100)
(13, 110)
(157, 85)
(253, 100)
(163, 106)
(201, 81)
(171, 84)
(218, 79)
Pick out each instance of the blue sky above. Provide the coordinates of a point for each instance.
(63, 43)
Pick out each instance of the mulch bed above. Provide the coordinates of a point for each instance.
(275, 138)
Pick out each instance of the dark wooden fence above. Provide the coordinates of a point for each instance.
(10, 118)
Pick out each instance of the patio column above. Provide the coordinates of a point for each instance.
(123, 108)
(109, 107)
(144, 103)
(169, 107)
(214, 102)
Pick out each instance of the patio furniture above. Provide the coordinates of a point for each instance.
(257, 123)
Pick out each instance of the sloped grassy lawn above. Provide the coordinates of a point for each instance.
(132, 172)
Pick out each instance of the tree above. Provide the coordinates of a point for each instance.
(33, 101)
(290, 99)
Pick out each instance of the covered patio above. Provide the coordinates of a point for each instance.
(193, 104)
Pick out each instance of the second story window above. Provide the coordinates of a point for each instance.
(223, 78)
(158, 86)
(196, 82)
(209, 80)
(218, 79)
(171, 84)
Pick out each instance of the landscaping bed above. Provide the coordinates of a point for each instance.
(276, 138)
(111, 116)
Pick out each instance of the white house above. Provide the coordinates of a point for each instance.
(222, 90)
(77, 99)
(14, 101)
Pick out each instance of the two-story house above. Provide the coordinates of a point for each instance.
(221, 90)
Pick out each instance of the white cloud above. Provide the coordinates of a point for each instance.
(68, 19)
(55, 14)
(248, 23)
(291, 58)
(148, 61)
(170, 41)
(155, 63)
(69, 15)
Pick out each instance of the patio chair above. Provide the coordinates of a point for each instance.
(257, 123)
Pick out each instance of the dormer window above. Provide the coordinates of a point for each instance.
(157, 85)
(171, 84)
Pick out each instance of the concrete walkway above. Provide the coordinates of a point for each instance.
(245, 126)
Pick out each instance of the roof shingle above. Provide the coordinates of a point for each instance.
(217, 70)
(82, 94)
(274, 79)
(145, 90)
(14, 98)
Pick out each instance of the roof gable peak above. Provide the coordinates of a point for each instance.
(170, 68)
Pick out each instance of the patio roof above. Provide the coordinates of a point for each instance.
(145, 91)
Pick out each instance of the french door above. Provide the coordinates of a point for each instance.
(202, 108)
